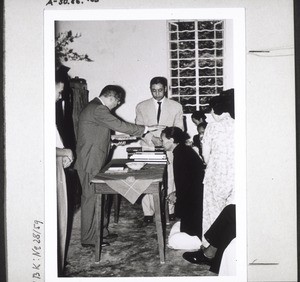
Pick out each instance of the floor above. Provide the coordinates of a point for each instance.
(133, 254)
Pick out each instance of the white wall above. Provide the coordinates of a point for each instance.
(271, 163)
(129, 53)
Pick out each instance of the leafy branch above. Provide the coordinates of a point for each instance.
(63, 52)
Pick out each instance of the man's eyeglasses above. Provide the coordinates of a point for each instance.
(118, 102)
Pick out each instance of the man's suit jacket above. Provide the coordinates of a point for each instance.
(94, 130)
(197, 143)
(221, 233)
(171, 114)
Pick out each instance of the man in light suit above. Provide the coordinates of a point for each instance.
(161, 111)
(93, 145)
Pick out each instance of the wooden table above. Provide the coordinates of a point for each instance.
(152, 172)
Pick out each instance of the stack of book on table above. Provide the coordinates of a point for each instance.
(156, 156)
(123, 138)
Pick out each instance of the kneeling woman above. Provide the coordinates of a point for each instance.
(188, 176)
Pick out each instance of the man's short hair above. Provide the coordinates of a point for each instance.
(115, 91)
(202, 124)
(159, 79)
(198, 115)
(61, 75)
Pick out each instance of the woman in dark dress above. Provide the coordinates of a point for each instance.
(188, 176)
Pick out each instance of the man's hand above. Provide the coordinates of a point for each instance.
(156, 127)
(67, 158)
(171, 198)
(120, 143)
(156, 141)
(66, 162)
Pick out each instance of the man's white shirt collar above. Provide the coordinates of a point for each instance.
(162, 100)
(101, 101)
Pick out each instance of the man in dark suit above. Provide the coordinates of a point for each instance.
(219, 236)
(93, 145)
(197, 139)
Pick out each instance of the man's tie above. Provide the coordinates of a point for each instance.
(158, 111)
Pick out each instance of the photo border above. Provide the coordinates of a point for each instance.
(239, 66)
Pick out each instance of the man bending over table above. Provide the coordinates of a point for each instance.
(93, 145)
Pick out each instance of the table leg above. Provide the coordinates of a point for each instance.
(99, 223)
(165, 204)
(160, 238)
(116, 208)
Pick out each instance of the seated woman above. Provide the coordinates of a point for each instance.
(188, 197)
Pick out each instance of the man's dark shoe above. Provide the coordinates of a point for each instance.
(146, 221)
(172, 217)
(110, 236)
(104, 244)
(88, 245)
(197, 257)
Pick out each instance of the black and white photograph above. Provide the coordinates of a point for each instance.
(150, 140)
(146, 137)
